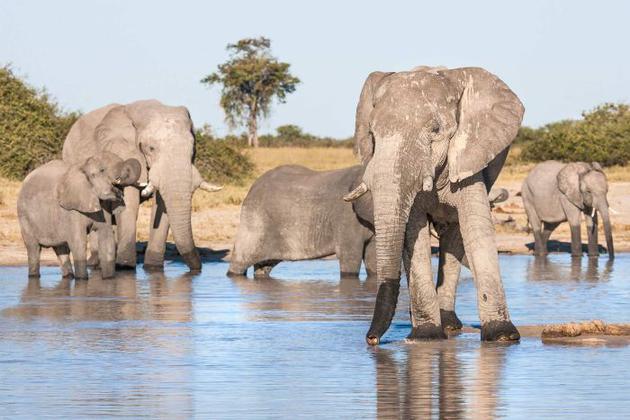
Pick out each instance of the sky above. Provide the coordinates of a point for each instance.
(560, 57)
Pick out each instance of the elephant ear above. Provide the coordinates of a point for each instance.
(363, 141)
(75, 192)
(597, 166)
(488, 119)
(569, 182)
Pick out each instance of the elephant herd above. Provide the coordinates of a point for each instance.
(431, 141)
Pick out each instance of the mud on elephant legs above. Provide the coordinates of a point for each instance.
(423, 300)
(63, 255)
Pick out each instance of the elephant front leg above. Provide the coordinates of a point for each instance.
(154, 255)
(126, 230)
(424, 307)
(591, 230)
(449, 268)
(480, 246)
(106, 246)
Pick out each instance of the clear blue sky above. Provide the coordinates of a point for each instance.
(560, 57)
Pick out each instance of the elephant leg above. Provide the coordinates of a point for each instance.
(126, 230)
(480, 246)
(591, 230)
(78, 248)
(369, 257)
(424, 307)
(93, 241)
(576, 241)
(540, 246)
(33, 252)
(263, 269)
(63, 255)
(449, 267)
(154, 255)
(350, 255)
(548, 229)
(106, 248)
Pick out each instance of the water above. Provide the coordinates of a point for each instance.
(172, 345)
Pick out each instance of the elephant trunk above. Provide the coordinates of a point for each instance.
(394, 186)
(176, 190)
(603, 210)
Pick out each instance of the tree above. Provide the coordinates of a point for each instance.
(250, 80)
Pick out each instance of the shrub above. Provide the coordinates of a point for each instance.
(32, 126)
(603, 135)
(219, 161)
(291, 136)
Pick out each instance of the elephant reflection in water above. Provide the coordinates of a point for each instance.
(298, 300)
(115, 299)
(543, 269)
(433, 382)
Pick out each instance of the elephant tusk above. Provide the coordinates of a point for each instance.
(142, 184)
(427, 183)
(593, 212)
(356, 193)
(206, 186)
(148, 190)
(117, 181)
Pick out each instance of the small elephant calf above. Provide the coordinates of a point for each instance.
(59, 204)
(293, 213)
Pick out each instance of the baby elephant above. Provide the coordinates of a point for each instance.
(554, 192)
(294, 213)
(59, 204)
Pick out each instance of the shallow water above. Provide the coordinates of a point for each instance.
(173, 345)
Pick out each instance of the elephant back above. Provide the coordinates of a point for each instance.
(81, 143)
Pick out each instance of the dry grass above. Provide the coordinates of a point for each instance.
(575, 329)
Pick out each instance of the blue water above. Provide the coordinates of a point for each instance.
(172, 345)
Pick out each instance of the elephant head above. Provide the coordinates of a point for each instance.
(422, 130)
(84, 185)
(585, 186)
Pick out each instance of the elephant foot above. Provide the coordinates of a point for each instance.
(427, 331)
(108, 269)
(80, 269)
(450, 321)
(153, 259)
(192, 260)
(499, 331)
(33, 275)
(68, 275)
(384, 310)
(126, 261)
(348, 275)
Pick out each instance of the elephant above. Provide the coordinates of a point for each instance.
(294, 213)
(554, 192)
(60, 203)
(433, 141)
(161, 138)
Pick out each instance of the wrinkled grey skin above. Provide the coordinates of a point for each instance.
(556, 192)
(433, 141)
(161, 138)
(60, 203)
(292, 213)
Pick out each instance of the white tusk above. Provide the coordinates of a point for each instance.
(593, 212)
(427, 183)
(356, 193)
(613, 211)
(206, 186)
(142, 184)
(117, 181)
(148, 190)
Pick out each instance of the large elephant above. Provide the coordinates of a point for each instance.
(432, 142)
(556, 192)
(294, 213)
(161, 137)
(60, 203)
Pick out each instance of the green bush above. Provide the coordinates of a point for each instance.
(219, 161)
(290, 136)
(603, 135)
(32, 126)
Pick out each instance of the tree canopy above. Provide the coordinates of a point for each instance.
(250, 80)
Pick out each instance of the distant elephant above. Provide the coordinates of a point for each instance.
(161, 137)
(433, 141)
(555, 192)
(293, 213)
(60, 203)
